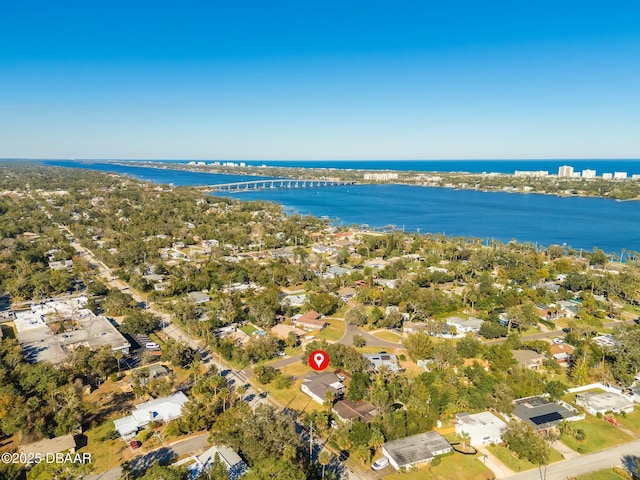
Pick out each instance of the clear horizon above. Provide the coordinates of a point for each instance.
(289, 81)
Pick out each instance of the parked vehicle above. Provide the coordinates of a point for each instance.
(152, 346)
(135, 444)
(380, 464)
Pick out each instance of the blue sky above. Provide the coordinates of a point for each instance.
(320, 80)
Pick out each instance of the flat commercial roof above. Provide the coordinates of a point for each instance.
(40, 343)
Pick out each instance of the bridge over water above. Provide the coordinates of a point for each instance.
(275, 183)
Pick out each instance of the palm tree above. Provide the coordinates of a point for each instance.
(118, 356)
(324, 458)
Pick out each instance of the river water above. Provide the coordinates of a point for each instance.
(578, 222)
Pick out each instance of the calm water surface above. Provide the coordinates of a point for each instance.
(544, 219)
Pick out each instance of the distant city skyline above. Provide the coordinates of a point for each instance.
(337, 81)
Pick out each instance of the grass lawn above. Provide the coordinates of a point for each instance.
(454, 467)
(600, 435)
(248, 329)
(292, 397)
(519, 464)
(606, 474)
(631, 421)
(333, 332)
(388, 336)
(296, 369)
(105, 453)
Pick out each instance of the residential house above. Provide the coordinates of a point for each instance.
(198, 297)
(482, 428)
(604, 402)
(156, 371)
(528, 358)
(562, 353)
(570, 309)
(310, 321)
(347, 411)
(470, 325)
(412, 327)
(415, 450)
(386, 360)
(377, 263)
(335, 271)
(542, 413)
(295, 300)
(160, 409)
(234, 465)
(65, 443)
(283, 331)
(61, 265)
(316, 385)
(347, 293)
(387, 282)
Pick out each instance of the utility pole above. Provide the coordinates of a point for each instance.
(311, 440)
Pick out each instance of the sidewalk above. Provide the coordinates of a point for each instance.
(495, 465)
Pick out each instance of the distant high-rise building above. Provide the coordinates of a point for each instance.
(588, 173)
(565, 171)
(620, 175)
(531, 173)
(380, 176)
(607, 175)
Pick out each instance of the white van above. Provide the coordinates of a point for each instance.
(152, 346)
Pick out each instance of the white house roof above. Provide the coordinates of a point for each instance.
(164, 409)
(482, 419)
(236, 467)
(126, 426)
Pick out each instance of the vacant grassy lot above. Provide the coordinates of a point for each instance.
(507, 457)
(105, 453)
(333, 332)
(600, 435)
(388, 336)
(293, 397)
(454, 467)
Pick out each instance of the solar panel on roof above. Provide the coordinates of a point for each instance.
(546, 418)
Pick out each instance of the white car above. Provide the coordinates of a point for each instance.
(558, 341)
(380, 464)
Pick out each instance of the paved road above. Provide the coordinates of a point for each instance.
(372, 341)
(583, 464)
(556, 333)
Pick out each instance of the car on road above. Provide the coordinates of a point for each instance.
(280, 353)
(380, 464)
(152, 346)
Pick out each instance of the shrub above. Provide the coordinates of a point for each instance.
(143, 435)
(282, 381)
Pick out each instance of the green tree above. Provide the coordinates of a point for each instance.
(522, 439)
(419, 346)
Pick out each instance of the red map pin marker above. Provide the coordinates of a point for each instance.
(318, 360)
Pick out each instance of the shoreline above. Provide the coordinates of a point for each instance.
(487, 189)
